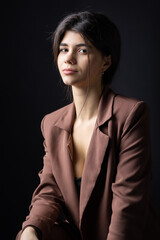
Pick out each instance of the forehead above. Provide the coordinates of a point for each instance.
(71, 38)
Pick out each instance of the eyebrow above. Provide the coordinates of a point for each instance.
(78, 45)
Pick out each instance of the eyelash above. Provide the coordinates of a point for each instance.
(79, 50)
(61, 50)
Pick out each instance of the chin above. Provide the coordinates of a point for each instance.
(70, 81)
(75, 81)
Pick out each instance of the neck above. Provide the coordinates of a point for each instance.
(86, 102)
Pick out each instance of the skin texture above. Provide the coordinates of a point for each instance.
(88, 65)
(74, 55)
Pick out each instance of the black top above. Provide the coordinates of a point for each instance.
(62, 215)
(78, 184)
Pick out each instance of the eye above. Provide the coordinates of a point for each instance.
(63, 50)
(83, 50)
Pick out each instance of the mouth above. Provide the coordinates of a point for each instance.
(69, 71)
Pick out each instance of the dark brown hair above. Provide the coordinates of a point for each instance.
(96, 28)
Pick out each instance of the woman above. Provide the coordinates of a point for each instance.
(95, 183)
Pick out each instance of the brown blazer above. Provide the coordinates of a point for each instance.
(115, 202)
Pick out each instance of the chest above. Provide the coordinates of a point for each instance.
(81, 138)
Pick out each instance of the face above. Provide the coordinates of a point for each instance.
(78, 62)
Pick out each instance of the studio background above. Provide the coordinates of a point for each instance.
(31, 87)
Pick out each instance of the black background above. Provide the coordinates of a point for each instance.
(31, 87)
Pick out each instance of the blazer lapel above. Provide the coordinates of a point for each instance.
(97, 149)
(63, 168)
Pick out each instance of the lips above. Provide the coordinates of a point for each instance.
(69, 71)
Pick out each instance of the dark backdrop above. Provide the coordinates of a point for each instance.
(31, 87)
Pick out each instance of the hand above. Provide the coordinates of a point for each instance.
(29, 233)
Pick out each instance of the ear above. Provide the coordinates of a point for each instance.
(107, 62)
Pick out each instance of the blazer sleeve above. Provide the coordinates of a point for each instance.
(47, 199)
(132, 183)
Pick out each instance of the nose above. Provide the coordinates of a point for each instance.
(70, 58)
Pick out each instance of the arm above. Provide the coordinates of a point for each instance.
(132, 184)
(47, 199)
(29, 233)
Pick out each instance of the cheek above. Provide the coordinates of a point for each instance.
(84, 64)
(59, 64)
(58, 61)
(95, 68)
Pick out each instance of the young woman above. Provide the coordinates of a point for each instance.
(95, 183)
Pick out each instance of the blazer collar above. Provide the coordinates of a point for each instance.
(66, 119)
(94, 158)
(105, 106)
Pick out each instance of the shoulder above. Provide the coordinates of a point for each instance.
(127, 109)
(52, 118)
